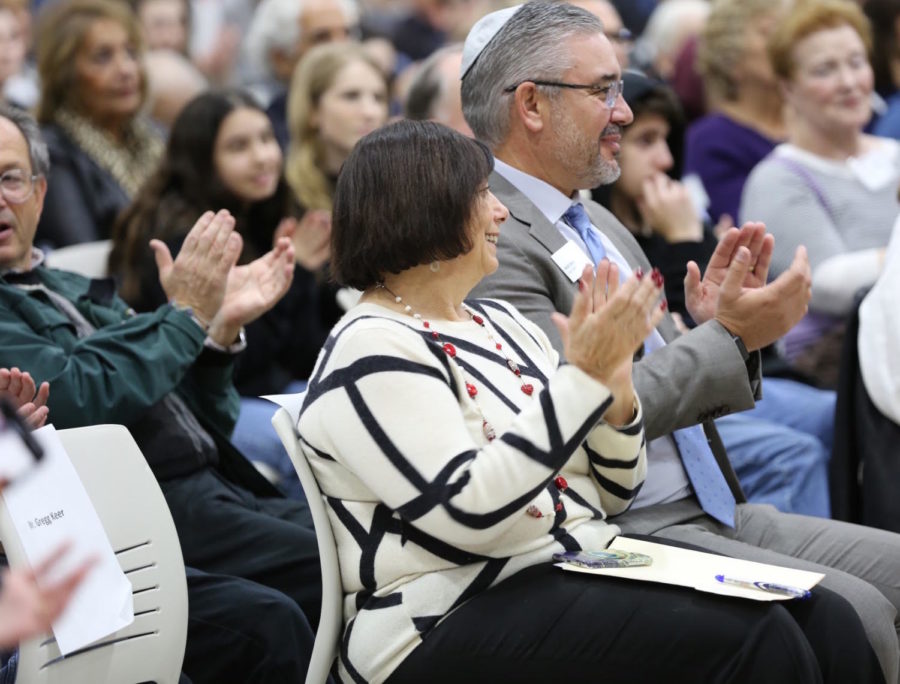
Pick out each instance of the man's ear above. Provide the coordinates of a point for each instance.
(530, 106)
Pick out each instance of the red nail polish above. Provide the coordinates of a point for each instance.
(663, 305)
(639, 273)
(580, 286)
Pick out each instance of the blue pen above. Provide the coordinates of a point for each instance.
(771, 587)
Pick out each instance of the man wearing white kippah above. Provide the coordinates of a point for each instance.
(542, 88)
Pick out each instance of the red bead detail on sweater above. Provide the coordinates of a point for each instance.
(528, 389)
(449, 349)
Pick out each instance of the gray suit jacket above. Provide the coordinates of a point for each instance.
(696, 377)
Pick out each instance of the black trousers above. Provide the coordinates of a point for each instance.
(227, 530)
(241, 631)
(545, 625)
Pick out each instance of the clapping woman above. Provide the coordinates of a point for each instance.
(457, 456)
(222, 153)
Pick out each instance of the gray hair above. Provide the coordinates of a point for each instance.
(663, 34)
(427, 86)
(276, 24)
(533, 44)
(28, 127)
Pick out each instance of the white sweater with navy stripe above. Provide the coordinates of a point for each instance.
(426, 511)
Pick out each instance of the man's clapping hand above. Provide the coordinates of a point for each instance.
(734, 291)
(18, 388)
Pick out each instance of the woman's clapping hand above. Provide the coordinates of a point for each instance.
(607, 324)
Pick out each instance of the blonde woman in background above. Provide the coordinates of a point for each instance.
(338, 94)
(746, 109)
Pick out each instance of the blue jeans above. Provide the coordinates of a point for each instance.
(255, 437)
(780, 449)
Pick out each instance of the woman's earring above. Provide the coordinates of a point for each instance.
(435, 266)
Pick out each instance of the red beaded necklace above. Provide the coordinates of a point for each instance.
(450, 350)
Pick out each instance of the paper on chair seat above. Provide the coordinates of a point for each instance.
(291, 402)
(49, 506)
(697, 570)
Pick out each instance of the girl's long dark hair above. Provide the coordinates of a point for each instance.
(183, 187)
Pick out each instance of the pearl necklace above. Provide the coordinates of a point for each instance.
(490, 434)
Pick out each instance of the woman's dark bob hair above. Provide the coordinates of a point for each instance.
(404, 197)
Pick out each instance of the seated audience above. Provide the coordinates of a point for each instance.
(172, 82)
(338, 94)
(780, 448)
(746, 108)
(93, 86)
(18, 82)
(424, 405)
(166, 376)
(831, 187)
(615, 30)
(222, 153)
(671, 25)
(550, 142)
(434, 90)
(281, 32)
(165, 24)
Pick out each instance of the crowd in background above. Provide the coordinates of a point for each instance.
(156, 112)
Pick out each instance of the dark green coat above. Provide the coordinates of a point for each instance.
(129, 364)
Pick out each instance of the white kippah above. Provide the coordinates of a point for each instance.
(481, 34)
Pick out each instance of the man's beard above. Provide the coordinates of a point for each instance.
(583, 157)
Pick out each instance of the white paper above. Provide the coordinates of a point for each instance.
(292, 402)
(571, 260)
(686, 568)
(49, 506)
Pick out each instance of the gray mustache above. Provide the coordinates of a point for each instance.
(612, 129)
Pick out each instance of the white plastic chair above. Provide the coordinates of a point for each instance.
(87, 258)
(134, 514)
(331, 618)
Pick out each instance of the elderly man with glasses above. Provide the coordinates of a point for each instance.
(166, 375)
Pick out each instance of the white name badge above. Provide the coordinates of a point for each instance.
(571, 260)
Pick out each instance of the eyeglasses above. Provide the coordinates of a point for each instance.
(623, 35)
(16, 186)
(608, 93)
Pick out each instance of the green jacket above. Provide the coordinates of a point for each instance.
(129, 364)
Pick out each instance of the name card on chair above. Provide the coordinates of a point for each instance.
(49, 506)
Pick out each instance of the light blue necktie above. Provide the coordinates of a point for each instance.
(577, 217)
(706, 477)
(700, 464)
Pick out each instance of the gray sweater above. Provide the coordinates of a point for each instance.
(841, 211)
